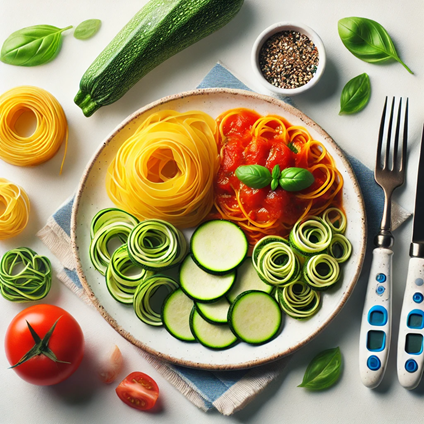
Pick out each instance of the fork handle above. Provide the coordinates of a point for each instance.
(410, 357)
(375, 335)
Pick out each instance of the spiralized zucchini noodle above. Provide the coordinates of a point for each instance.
(14, 209)
(298, 300)
(50, 132)
(123, 276)
(321, 271)
(311, 235)
(32, 282)
(312, 249)
(155, 244)
(143, 296)
(275, 262)
(340, 248)
(308, 153)
(165, 170)
(108, 224)
(336, 219)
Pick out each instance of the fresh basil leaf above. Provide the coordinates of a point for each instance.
(355, 94)
(296, 179)
(87, 29)
(368, 40)
(254, 176)
(276, 172)
(32, 46)
(274, 184)
(323, 371)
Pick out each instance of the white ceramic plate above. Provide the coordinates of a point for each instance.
(92, 196)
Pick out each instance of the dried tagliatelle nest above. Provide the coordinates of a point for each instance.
(14, 209)
(166, 169)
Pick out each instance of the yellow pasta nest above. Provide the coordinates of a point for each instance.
(166, 169)
(14, 209)
(51, 129)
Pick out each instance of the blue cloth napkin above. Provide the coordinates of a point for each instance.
(227, 391)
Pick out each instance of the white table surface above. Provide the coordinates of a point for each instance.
(81, 399)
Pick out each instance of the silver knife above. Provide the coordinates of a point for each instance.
(410, 357)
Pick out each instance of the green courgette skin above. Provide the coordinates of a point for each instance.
(158, 31)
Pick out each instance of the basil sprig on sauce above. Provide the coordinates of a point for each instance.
(323, 371)
(275, 177)
(254, 176)
(32, 46)
(290, 179)
(296, 179)
(368, 40)
(355, 94)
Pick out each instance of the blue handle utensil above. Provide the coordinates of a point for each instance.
(389, 174)
(410, 357)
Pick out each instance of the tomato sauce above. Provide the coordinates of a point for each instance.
(247, 138)
(261, 205)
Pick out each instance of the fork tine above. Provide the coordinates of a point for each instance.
(405, 137)
(389, 136)
(396, 141)
(380, 137)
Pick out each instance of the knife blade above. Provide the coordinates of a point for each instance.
(410, 358)
(418, 224)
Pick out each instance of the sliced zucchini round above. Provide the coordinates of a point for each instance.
(142, 302)
(310, 236)
(247, 279)
(211, 335)
(214, 312)
(255, 317)
(202, 286)
(156, 245)
(275, 261)
(176, 315)
(321, 271)
(219, 246)
(298, 300)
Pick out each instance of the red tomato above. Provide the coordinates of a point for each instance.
(232, 157)
(280, 155)
(277, 203)
(253, 198)
(138, 390)
(223, 183)
(66, 343)
(240, 122)
(257, 152)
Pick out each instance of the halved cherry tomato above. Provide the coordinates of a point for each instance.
(138, 390)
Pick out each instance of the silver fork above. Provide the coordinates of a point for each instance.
(375, 336)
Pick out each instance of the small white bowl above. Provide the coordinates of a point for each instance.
(288, 26)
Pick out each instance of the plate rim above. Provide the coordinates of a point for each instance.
(196, 92)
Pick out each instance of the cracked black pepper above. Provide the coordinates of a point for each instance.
(288, 59)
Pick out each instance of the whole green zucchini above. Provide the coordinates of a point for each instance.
(159, 30)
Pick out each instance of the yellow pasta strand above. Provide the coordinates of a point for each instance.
(14, 209)
(51, 129)
(166, 169)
